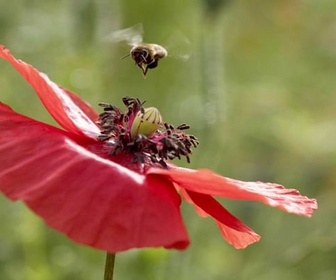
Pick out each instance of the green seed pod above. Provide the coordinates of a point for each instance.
(146, 122)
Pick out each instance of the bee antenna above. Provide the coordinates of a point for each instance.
(125, 56)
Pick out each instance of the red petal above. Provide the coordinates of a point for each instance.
(208, 182)
(83, 105)
(92, 200)
(233, 230)
(187, 198)
(68, 110)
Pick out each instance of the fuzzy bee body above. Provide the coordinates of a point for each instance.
(147, 56)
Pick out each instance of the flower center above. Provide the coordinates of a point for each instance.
(140, 131)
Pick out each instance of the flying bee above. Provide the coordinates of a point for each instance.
(145, 55)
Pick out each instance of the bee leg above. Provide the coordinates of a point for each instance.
(144, 70)
(142, 66)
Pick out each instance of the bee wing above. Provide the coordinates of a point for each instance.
(131, 35)
(179, 46)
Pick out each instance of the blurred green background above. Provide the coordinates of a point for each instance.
(258, 91)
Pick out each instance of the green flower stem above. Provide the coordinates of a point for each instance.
(109, 266)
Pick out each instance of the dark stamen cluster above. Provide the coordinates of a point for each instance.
(166, 143)
(113, 122)
(177, 143)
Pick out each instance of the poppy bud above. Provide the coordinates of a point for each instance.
(146, 122)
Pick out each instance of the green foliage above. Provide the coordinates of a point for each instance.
(258, 91)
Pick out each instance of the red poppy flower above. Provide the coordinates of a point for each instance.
(113, 200)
